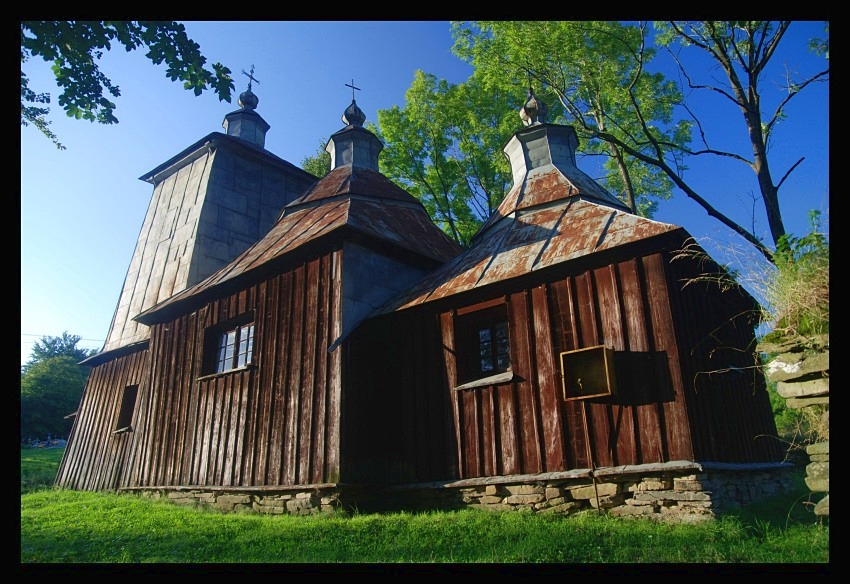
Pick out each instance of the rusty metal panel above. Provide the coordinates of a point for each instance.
(395, 220)
(537, 238)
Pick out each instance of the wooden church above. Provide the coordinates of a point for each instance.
(294, 345)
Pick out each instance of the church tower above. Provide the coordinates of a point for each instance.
(210, 202)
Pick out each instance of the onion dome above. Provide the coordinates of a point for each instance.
(534, 111)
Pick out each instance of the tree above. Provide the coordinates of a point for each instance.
(444, 147)
(589, 69)
(64, 346)
(51, 389)
(319, 164)
(742, 50)
(598, 72)
(74, 47)
(52, 384)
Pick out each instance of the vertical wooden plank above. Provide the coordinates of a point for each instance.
(622, 439)
(258, 465)
(276, 411)
(450, 360)
(202, 474)
(320, 403)
(511, 451)
(254, 446)
(528, 430)
(677, 429)
(308, 357)
(472, 454)
(648, 426)
(294, 406)
(597, 413)
(489, 436)
(334, 411)
(554, 457)
(566, 339)
(142, 422)
(221, 387)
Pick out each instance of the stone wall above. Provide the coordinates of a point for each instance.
(681, 492)
(800, 368)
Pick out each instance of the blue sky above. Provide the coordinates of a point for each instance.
(82, 208)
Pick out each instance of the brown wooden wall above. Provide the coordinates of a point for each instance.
(382, 408)
(525, 425)
(275, 422)
(397, 413)
(728, 403)
(95, 456)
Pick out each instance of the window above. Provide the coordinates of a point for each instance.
(235, 347)
(494, 347)
(229, 346)
(482, 341)
(128, 405)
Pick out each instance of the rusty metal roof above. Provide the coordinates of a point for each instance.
(529, 240)
(349, 197)
(351, 180)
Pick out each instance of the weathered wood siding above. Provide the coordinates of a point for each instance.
(663, 340)
(397, 414)
(95, 456)
(274, 422)
(728, 402)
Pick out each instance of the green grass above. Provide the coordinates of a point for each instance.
(61, 526)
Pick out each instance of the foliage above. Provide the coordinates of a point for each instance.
(600, 72)
(74, 47)
(798, 289)
(318, 164)
(592, 70)
(49, 347)
(444, 147)
(797, 427)
(51, 390)
(52, 385)
(742, 51)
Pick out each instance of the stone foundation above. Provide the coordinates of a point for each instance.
(676, 492)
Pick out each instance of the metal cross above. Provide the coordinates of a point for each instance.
(352, 89)
(251, 77)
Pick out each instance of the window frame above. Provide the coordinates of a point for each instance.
(220, 356)
(469, 323)
(129, 397)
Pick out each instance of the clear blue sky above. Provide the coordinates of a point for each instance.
(82, 208)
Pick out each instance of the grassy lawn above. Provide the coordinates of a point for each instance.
(61, 526)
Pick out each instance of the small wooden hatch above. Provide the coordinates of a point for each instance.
(588, 372)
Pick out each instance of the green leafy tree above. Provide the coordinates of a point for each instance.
(318, 164)
(593, 71)
(638, 120)
(444, 147)
(74, 48)
(52, 384)
(63, 346)
(51, 389)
